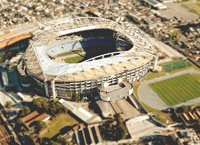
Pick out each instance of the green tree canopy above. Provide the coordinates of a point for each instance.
(2, 58)
(63, 140)
(40, 102)
(19, 121)
(8, 104)
(40, 125)
(24, 111)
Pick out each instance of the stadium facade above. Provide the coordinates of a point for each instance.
(130, 62)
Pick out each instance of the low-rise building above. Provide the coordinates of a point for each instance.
(115, 92)
(186, 137)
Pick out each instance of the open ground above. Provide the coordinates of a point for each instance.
(177, 10)
(193, 7)
(55, 126)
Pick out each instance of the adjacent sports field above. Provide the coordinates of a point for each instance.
(178, 89)
(176, 65)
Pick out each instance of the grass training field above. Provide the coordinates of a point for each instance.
(55, 126)
(176, 65)
(75, 59)
(178, 89)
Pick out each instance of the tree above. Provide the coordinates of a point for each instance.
(121, 132)
(24, 111)
(53, 143)
(32, 35)
(8, 104)
(76, 97)
(22, 128)
(40, 125)
(2, 58)
(19, 121)
(8, 55)
(121, 129)
(63, 140)
(118, 118)
(40, 102)
(185, 108)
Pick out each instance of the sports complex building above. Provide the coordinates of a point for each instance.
(112, 51)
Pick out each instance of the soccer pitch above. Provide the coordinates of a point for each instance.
(176, 65)
(75, 59)
(178, 89)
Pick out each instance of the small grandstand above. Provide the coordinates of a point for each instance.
(111, 51)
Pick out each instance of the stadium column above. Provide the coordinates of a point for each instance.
(155, 63)
(53, 89)
(46, 89)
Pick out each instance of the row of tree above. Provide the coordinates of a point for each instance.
(58, 141)
(115, 132)
(9, 54)
(52, 107)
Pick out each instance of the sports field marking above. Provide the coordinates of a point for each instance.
(75, 59)
(176, 65)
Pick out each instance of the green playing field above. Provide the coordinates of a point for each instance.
(178, 89)
(75, 59)
(176, 65)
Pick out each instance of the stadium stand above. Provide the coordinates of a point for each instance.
(130, 62)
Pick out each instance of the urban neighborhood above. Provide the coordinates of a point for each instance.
(108, 72)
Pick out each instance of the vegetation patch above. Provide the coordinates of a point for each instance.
(113, 132)
(193, 7)
(198, 4)
(178, 89)
(152, 75)
(55, 126)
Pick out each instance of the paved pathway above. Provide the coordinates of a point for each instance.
(149, 97)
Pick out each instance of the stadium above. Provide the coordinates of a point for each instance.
(106, 51)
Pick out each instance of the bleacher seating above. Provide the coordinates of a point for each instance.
(80, 44)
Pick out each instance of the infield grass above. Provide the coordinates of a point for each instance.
(178, 89)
